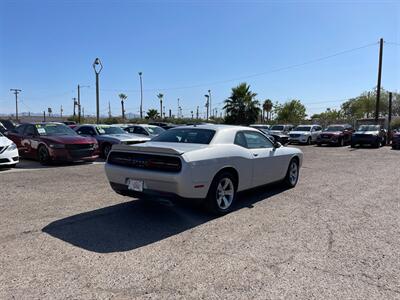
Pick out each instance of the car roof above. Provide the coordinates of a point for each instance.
(219, 127)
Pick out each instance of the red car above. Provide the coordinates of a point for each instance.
(339, 135)
(53, 142)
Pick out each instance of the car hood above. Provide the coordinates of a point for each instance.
(5, 141)
(69, 139)
(300, 132)
(161, 147)
(367, 132)
(125, 137)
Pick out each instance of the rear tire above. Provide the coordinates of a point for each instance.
(222, 194)
(341, 142)
(319, 144)
(309, 141)
(292, 174)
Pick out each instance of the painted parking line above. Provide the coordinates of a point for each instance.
(33, 166)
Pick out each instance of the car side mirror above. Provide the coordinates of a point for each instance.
(277, 144)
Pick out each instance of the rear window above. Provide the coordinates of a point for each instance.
(186, 135)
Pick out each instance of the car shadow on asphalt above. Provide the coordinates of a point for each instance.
(31, 164)
(131, 225)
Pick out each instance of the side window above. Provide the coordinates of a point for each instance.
(256, 140)
(130, 129)
(20, 129)
(140, 130)
(240, 140)
(86, 130)
(30, 130)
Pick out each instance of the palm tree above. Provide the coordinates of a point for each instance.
(160, 96)
(241, 107)
(152, 114)
(123, 97)
(267, 106)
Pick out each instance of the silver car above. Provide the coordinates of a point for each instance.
(107, 136)
(305, 134)
(210, 162)
(144, 130)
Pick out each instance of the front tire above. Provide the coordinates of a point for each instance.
(222, 194)
(43, 155)
(106, 149)
(292, 174)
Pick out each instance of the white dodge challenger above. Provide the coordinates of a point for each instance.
(208, 162)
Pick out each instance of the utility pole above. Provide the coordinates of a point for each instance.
(61, 111)
(109, 110)
(83, 113)
(390, 117)
(44, 116)
(170, 113)
(74, 99)
(141, 95)
(16, 92)
(178, 108)
(79, 104)
(197, 113)
(209, 94)
(378, 88)
(207, 104)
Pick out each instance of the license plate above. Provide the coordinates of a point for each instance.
(135, 185)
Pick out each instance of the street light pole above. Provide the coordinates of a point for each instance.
(16, 92)
(141, 95)
(97, 67)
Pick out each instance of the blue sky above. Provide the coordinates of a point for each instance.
(185, 48)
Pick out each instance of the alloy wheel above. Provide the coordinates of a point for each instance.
(293, 173)
(225, 193)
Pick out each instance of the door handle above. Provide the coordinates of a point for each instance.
(255, 154)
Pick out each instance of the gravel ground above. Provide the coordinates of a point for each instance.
(65, 234)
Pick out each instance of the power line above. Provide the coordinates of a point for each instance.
(255, 74)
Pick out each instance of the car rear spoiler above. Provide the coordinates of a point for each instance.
(147, 149)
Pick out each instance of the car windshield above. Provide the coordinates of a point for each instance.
(302, 128)
(334, 128)
(277, 127)
(110, 130)
(54, 129)
(186, 135)
(368, 128)
(155, 130)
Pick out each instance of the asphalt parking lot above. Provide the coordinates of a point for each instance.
(65, 234)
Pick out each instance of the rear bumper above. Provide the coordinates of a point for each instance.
(123, 190)
(180, 184)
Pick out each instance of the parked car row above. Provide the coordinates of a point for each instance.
(336, 134)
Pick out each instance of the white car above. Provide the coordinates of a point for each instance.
(208, 162)
(8, 152)
(305, 134)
